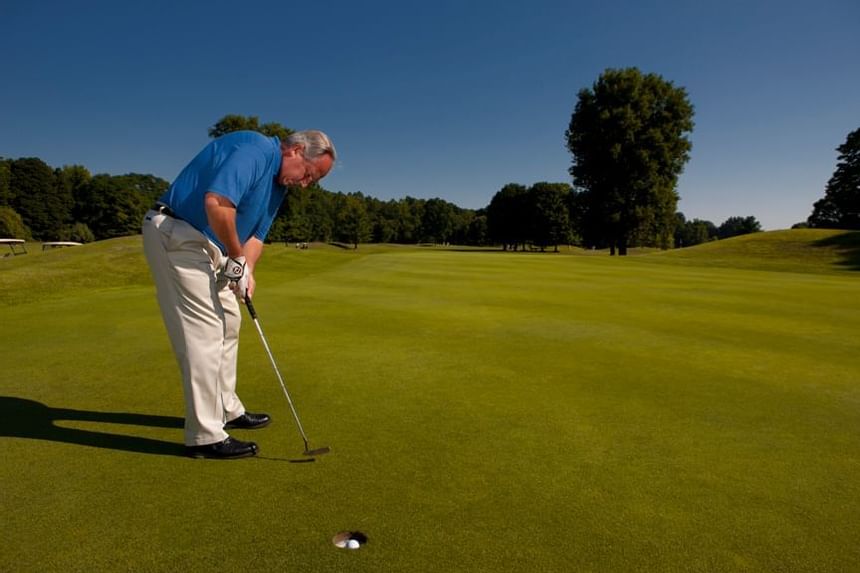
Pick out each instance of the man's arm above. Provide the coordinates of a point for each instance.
(253, 252)
(221, 214)
(222, 219)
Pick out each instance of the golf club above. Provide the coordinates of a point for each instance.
(308, 451)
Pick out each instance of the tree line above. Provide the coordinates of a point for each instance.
(44, 203)
(41, 202)
(628, 137)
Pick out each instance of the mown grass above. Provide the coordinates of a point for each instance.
(797, 250)
(486, 412)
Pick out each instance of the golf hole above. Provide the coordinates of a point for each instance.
(349, 540)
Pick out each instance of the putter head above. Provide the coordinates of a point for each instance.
(317, 452)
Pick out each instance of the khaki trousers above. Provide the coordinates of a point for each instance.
(202, 317)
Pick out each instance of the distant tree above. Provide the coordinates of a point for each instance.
(628, 139)
(477, 232)
(735, 226)
(11, 225)
(698, 231)
(680, 221)
(409, 214)
(550, 216)
(277, 232)
(5, 182)
(322, 212)
(507, 216)
(71, 179)
(43, 206)
(298, 228)
(114, 206)
(840, 206)
(437, 221)
(293, 222)
(801, 225)
(231, 123)
(78, 232)
(148, 187)
(383, 230)
(353, 222)
(690, 233)
(384, 221)
(462, 222)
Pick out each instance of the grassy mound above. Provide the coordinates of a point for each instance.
(57, 273)
(796, 250)
(486, 412)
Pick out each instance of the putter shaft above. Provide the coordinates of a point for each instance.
(253, 312)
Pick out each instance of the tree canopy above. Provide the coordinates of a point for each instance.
(69, 204)
(735, 226)
(231, 123)
(507, 222)
(630, 203)
(840, 206)
(35, 194)
(628, 138)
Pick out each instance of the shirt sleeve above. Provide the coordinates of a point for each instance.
(238, 173)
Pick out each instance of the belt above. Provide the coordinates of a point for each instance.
(165, 210)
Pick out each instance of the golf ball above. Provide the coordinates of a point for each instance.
(353, 544)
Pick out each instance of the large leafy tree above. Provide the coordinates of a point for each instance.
(550, 216)
(840, 206)
(44, 206)
(230, 123)
(115, 205)
(11, 224)
(628, 138)
(507, 220)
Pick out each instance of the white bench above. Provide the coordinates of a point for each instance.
(55, 244)
(13, 246)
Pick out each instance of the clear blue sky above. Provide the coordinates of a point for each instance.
(449, 99)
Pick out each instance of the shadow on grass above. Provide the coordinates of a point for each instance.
(848, 247)
(21, 418)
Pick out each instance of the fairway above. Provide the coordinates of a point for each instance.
(487, 411)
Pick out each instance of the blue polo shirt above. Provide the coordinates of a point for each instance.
(240, 166)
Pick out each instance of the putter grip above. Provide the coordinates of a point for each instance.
(250, 306)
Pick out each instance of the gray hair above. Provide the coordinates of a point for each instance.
(315, 143)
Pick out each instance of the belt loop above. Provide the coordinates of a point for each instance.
(164, 210)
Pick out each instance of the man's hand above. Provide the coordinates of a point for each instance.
(234, 271)
(252, 284)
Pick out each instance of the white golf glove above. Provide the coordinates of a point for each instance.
(234, 271)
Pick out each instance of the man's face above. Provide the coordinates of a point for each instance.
(296, 170)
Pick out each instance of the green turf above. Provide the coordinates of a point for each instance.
(486, 411)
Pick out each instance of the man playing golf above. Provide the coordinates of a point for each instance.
(202, 240)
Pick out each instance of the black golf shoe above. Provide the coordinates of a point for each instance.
(248, 421)
(228, 449)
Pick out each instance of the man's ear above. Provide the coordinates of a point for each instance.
(294, 150)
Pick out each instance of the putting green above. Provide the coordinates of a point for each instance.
(486, 411)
